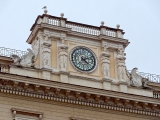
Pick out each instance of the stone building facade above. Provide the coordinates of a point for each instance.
(74, 71)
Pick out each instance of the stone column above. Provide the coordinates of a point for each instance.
(63, 56)
(105, 67)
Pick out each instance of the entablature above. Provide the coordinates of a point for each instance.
(82, 30)
(81, 95)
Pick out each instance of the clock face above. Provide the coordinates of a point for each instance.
(83, 59)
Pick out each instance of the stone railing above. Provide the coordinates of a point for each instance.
(92, 30)
(156, 94)
(79, 27)
(4, 68)
(150, 77)
(7, 52)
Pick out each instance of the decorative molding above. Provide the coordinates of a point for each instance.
(17, 111)
(84, 102)
(105, 61)
(121, 67)
(82, 97)
(77, 118)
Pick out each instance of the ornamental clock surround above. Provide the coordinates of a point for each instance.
(83, 59)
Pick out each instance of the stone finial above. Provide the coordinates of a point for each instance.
(118, 26)
(62, 14)
(45, 9)
(102, 23)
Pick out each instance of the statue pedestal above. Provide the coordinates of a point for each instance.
(123, 86)
(107, 84)
(64, 77)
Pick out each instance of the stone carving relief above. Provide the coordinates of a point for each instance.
(105, 61)
(63, 54)
(46, 51)
(46, 37)
(137, 80)
(27, 60)
(121, 64)
(35, 47)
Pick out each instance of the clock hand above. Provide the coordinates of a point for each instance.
(84, 59)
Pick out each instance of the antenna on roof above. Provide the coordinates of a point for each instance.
(45, 9)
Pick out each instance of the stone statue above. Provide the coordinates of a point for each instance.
(36, 47)
(63, 54)
(121, 64)
(137, 80)
(27, 60)
(105, 61)
(63, 59)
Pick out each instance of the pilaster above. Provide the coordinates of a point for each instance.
(63, 56)
(107, 84)
(121, 67)
(105, 61)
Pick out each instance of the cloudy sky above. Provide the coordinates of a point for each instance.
(140, 19)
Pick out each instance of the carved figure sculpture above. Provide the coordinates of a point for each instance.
(136, 80)
(63, 54)
(27, 60)
(105, 61)
(35, 47)
(121, 64)
(63, 59)
(105, 68)
(46, 59)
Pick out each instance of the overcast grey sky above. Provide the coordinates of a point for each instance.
(140, 19)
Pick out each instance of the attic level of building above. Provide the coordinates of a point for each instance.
(102, 32)
(78, 54)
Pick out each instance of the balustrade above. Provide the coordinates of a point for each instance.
(4, 68)
(156, 94)
(82, 28)
(150, 77)
(54, 21)
(7, 52)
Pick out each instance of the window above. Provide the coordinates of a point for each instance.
(22, 114)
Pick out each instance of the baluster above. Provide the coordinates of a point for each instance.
(83, 30)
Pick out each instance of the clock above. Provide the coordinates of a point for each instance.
(83, 59)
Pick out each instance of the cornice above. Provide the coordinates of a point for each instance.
(32, 34)
(80, 95)
(73, 33)
(89, 103)
(4, 58)
(76, 88)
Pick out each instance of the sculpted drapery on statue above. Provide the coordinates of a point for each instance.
(137, 80)
(35, 47)
(63, 54)
(121, 64)
(27, 60)
(46, 51)
(105, 61)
